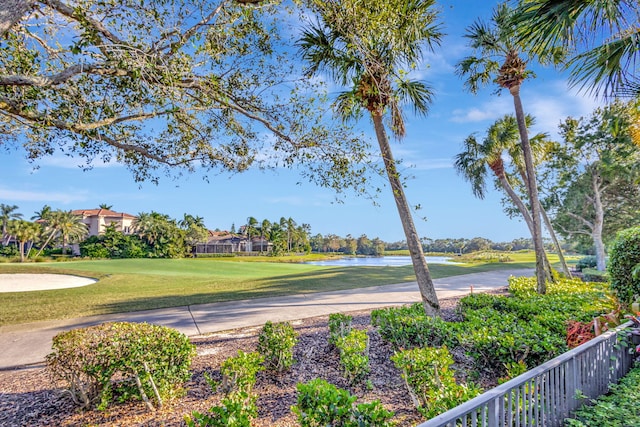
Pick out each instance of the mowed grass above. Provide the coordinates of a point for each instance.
(143, 284)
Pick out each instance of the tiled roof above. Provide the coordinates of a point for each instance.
(102, 212)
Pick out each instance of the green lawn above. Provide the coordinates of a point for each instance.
(142, 284)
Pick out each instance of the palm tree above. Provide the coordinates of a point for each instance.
(494, 44)
(24, 231)
(105, 206)
(477, 157)
(42, 214)
(52, 221)
(370, 46)
(71, 228)
(601, 35)
(7, 213)
(264, 230)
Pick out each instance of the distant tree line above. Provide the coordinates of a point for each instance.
(363, 245)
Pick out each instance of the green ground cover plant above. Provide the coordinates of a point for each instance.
(497, 331)
(151, 363)
(618, 408)
(143, 284)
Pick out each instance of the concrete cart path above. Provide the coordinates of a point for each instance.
(28, 344)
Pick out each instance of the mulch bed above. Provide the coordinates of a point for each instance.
(28, 397)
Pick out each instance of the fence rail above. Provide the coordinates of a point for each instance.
(546, 395)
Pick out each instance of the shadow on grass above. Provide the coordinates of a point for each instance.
(324, 280)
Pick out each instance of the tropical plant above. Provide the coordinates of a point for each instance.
(161, 233)
(42, 214)
(600, 36)
(71, 228)
(24, 232)
(494, 43)
(370, 46)
(195, 230)
(477, 157)
(7, 213)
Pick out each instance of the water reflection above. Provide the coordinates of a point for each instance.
(382, 261)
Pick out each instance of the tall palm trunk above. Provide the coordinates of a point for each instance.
(532, 188)
(556, 243)
(526, 214)
(552, 234)
(425, 284)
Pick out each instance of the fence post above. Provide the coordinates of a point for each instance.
(571, 388)
(492, 408)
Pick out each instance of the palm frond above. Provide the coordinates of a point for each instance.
(416, 93)
(479, 72)
(608, 69)
(471, 164)
(348, 106)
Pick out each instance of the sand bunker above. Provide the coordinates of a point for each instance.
(40, 282)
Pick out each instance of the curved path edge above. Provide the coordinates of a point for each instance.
(27, 344)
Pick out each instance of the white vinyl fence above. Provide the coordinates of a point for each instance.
(546, 395)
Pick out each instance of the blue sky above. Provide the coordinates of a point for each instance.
(427, 152)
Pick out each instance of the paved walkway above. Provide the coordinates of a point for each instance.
(28, 344)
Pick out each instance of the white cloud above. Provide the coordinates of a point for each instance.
(489, 110)
(44, 197)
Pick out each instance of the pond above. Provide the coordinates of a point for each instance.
(380, 261)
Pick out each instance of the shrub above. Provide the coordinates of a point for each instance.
(239, 372)
(495, 339)
(148, 360)
(593, 275)
(624, 257)
(431, 384)
(239, 403)
(275, 344)
(409, 327)
(339, 326)
(323, 404)
(354, 355)
(586, 262)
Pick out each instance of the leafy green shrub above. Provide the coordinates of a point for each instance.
(148, 360)
(339, 326)
(586, 262)
(593, 275)
(9, 251)
(495, 339)
(624, 257)
(239, 403)
(618, 408)
(275, 344)
(354, 355)
(323, 404)
(408, 327)
(232, 413)
(431, 384)
(239, 372)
